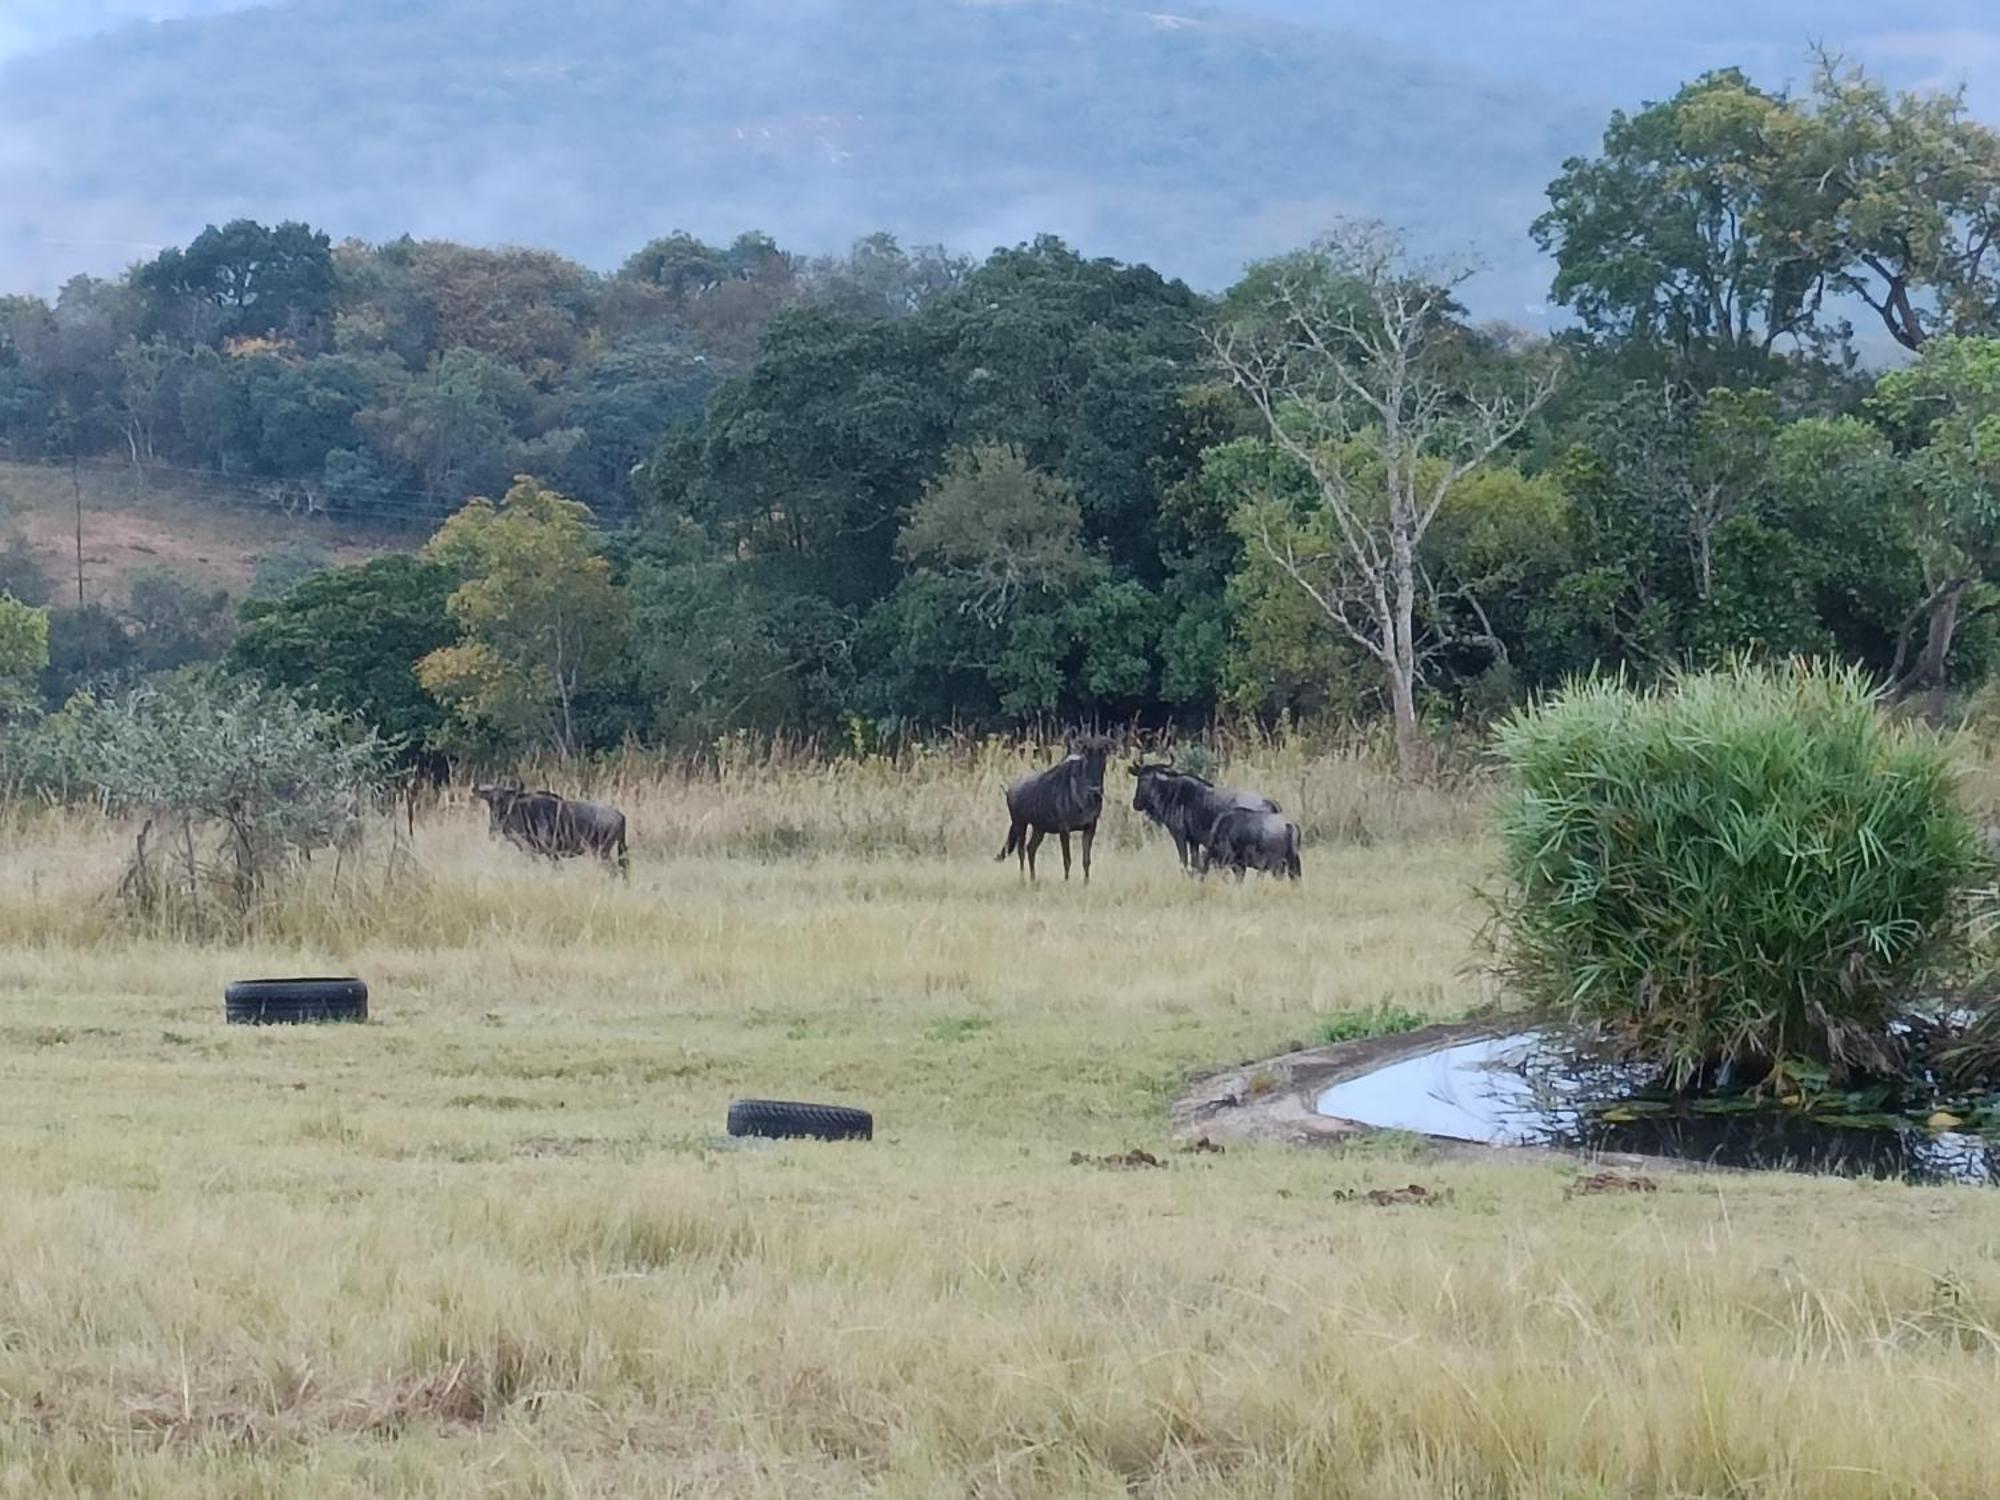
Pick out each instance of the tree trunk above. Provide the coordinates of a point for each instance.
(1929, 667)
(1412, 757)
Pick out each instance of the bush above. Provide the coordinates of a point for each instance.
(233, 781)
(1746, 868)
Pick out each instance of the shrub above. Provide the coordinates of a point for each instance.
(232, 779)
(1745, 867)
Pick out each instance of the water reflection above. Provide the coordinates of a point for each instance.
(1521, 1090)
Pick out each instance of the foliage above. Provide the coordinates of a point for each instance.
(349, 639)
(22, 576)
(174, 622)
(1351, 356)
(1384, 1019)
(1742, 868)
(280, 570)
(1668, 238)
(539, 619)
(88, 649)
(998, 531)
(1729, 219)
(24, 653)
(233, 779)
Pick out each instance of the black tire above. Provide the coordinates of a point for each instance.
(279, 1002)
(777, 1119)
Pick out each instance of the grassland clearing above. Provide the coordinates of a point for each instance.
(489, 1243)
(205, 528)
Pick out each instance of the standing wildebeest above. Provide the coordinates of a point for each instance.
(555, 827)
(1067, 798)
(1255, 841)
(1187, 806)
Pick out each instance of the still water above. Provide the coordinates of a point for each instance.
(1521, 1090)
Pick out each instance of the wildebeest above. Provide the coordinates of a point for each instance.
(553, 826)
(1187, 806)
(1245, 841)
(1067, 798)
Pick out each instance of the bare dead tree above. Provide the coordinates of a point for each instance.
(1346, 361)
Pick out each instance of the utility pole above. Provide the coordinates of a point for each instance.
(76, 490)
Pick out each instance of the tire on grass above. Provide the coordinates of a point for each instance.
(779, 1119)
(280, 1002)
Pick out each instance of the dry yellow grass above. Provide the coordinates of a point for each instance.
(204, 528)
(489, 1244)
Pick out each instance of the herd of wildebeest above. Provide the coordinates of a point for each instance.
(1212, 827)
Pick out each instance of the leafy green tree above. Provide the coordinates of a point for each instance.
(454, 426)
(89, 648)
(24, 654)
(1672, 236)
(999, 531)
(242, 280)
(1946, 409)
(709, 656)
(816, 454)
(1903, 195)
(1721, 222)
(621, 402)
(540, 620)
(175, 622)
(280, 570)
(349, 639)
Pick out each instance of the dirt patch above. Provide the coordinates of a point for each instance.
(1415, 1193)
(1129, 1161)
(1594, 1183)
(126, 529)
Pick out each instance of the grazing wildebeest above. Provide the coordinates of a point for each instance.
(553, 826)
(1187, 806)
(1067, 798)
(1245, 841)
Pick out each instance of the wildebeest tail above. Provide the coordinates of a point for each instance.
(1013, 842)
(1292, 866)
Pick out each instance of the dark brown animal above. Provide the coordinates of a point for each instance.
(1067, 798)
(1189, 806)
(555, 827)
(1245, 841)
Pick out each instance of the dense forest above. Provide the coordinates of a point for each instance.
(732, 488)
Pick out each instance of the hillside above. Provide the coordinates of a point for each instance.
(1194, 139)
(203, 531)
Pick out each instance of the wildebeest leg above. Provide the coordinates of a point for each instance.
(1089, 838)
(1063, 839)
(1034, 843)
(1181, 849)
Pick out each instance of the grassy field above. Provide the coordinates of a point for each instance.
(490, 1243)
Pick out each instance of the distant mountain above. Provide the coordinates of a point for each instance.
(29, 24)
(1192, 138)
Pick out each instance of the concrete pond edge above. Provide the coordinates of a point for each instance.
(1272, 1101)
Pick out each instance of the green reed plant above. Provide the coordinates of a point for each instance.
(1748, 866)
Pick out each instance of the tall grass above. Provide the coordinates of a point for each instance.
(489, 1245)
(1743, 867)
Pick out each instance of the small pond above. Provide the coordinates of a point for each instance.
(1520, 1090)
